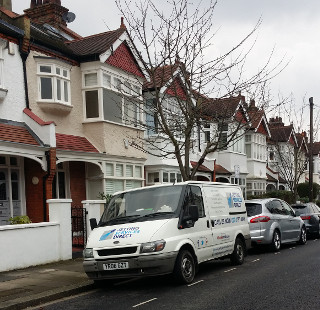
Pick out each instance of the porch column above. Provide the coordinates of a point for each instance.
(60, 212)
(94, 209)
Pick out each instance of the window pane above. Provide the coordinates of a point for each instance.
(172, 177)
(129, 171)
(46, 88)
(106, 80)
(119, 170)
(58, 71)
(179, 178)
(46, 69)
(126, 88)
(14, 185)
(65, 73)
(91, 79)
(165, 177)
(153, 177)
(59, 89)
(13, 161)
(248, 150)
(117, 83)
(112, 106)
(2, 160)
(92, 104)
(109, 169)
(130, 112)
(66, 92)
(3, 191)
(138, 172)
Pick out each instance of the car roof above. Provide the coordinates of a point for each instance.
(261, 200)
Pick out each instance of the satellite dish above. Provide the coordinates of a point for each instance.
(68, 17)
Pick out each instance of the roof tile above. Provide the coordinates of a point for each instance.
(74, 143)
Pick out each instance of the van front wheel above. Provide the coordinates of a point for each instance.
(184, 269)
(237, 256)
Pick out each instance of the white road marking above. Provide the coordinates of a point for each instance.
(292, 248)
(230, 270)
(143, 303)
(194, 283)
(276, 253)
(256, 260)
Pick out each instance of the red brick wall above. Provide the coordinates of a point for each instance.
(77, 182)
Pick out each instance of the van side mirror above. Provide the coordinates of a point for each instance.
(93, 223)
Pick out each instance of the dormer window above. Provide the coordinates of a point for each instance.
(54, 83)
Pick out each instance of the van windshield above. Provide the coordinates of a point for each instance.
(148, 203)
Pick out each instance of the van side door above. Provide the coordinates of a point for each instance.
(200, 233)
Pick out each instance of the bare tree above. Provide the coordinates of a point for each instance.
(288, 153)
(186, 87)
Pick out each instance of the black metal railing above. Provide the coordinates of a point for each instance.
(79, 226)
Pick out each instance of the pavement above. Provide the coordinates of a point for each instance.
(36, 285)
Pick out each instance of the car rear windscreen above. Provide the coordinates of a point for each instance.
(253, 209)
(300, 209)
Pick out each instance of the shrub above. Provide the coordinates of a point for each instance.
(284, 195)
(303, 190)
(21, 219)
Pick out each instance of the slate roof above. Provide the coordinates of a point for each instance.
(95, 44)
(202, 168)
(74, 143)
(271, 178)
(221, 170)
(281, 133)
(217, 108)
(161, 76)
(17, 133)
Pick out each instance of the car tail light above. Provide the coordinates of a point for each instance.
(260, 219)
(306, 217)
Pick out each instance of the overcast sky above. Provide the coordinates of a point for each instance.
(290, 26)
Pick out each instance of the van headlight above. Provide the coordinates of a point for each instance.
(88, 253)
(155, 246)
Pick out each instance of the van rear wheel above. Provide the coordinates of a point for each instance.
(184, 269)
(237, 256)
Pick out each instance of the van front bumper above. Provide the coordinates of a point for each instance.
(139, 266)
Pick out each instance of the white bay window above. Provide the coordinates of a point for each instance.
(54, 83)
(111, 99)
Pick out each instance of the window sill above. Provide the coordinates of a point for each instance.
(55, 107)
(3, 93)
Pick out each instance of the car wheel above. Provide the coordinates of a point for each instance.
(237, 256)
(184, 269)
(276, 241)
(303, 236)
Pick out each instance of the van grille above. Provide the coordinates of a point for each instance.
(117, 251)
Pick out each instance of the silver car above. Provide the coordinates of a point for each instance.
(273, 222)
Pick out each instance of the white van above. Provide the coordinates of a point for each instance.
(168, 229)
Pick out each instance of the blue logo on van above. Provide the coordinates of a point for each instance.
(107, 235)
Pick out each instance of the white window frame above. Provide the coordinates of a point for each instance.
(55, 78)
(116, 84)
(2, 79)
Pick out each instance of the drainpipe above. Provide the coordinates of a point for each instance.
(24, 56)
(45, 178)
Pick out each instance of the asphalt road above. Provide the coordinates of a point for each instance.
(288, 279)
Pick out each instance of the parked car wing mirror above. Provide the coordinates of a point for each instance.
(93, 223)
